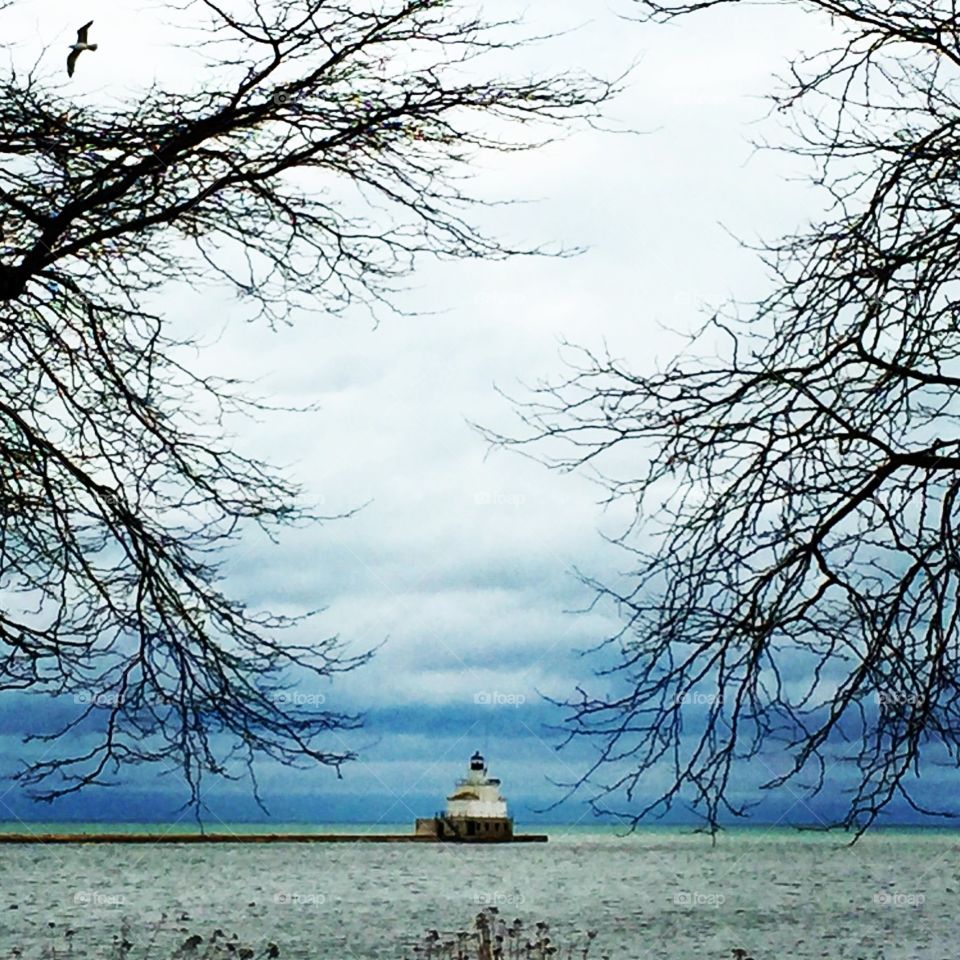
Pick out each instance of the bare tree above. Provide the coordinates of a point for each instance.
(792, 615)
(323, 150)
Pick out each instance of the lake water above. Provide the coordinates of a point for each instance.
(656, 894)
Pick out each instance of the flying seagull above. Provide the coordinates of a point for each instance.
(77, 48)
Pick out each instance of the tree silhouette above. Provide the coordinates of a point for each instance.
(323, 150)
(793, 607)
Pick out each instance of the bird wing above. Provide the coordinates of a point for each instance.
(71, 61)
(82, 32)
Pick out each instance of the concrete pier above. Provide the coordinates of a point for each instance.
(253, 838)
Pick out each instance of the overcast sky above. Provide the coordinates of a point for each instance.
(461, 562)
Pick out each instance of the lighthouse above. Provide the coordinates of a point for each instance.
(475, 812)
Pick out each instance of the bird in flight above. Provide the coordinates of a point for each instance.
(77, 48)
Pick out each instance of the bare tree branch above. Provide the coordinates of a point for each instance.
(324, 152)
(794, 603)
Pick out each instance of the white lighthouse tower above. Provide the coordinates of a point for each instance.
(477, 796)
(475, 811)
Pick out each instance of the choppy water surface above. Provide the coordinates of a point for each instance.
(657, 894)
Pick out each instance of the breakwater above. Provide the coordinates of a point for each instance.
(253, 838)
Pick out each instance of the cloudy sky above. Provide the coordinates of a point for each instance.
(461, 562)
